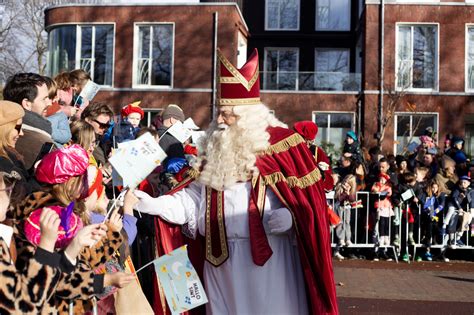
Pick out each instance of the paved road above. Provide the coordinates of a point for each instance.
(366, 287)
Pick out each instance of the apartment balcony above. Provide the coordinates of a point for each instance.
(310, 81)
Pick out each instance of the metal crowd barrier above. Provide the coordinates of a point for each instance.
(466, 237)
(363, 235)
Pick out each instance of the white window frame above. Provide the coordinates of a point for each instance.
(329, 112)
(136, 27)
(411, 114)
(436, 78)
(278, 70)
(331, 29)
(466, 64)
(148, 112)
(282, 29)
(79, 27)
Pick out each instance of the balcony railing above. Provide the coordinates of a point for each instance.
(310, 81)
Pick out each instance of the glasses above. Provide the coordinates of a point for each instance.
(226, 114)
(102, 125)
(18, 127)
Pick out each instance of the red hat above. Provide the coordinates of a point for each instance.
(386, 176)
(132, 108)
(307, 129)
(238, 86)
(60, 165)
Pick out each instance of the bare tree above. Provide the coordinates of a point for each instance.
(23, 38)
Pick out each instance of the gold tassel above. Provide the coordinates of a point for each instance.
(309, 179)
(193, 173)
(285, 144)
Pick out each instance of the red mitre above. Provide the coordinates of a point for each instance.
(238, 86)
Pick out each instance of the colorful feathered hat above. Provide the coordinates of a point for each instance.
(238, 86)
(132, 108)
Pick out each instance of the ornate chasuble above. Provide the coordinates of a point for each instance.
(215, 235)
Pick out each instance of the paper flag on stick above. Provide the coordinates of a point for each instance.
(90, 90)
(180, 132)
(137, 159)
(180, 281)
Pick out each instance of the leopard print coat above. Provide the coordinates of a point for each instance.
(26, 291)
(79, 284)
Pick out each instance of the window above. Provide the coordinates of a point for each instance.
(281, 68)
(89, 47)
(153, 61)
(332, 129)
(331, 66)
(241, 50)
(333, 15)
(150, 114)
(417, 57)
(470, 59)
(409, 127)
(282, 15)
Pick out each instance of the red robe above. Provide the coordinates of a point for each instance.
(288, 168)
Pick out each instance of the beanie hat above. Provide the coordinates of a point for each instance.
(457, 140)
(61, 165)
(307, 129)
(10, 112)
(465, 177)
(173, 111)
(352, 135)
(132, 108)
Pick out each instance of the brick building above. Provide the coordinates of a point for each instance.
(319, 59)
(159, 54)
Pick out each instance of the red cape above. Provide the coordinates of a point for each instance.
(288, 167)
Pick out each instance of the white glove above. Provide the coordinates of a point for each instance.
(280, 221)
(146, 203)
(323, 166)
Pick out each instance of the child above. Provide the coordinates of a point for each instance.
(345, 196)
(79, 79)
(130, 124)
(433, 206)
(64, 173)
(410, 212)
(384, 207)
(59, 112)
(460, 204)
(352, 147)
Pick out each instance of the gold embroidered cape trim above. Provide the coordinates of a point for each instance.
(260, 189)
(216, 261)
(301, 182)
(236, 73)
(285, 144)
(239, 101)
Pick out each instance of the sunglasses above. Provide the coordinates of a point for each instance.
(102, 125)
(18, 127)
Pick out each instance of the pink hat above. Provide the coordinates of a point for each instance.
(70, 225)
(60, 165)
